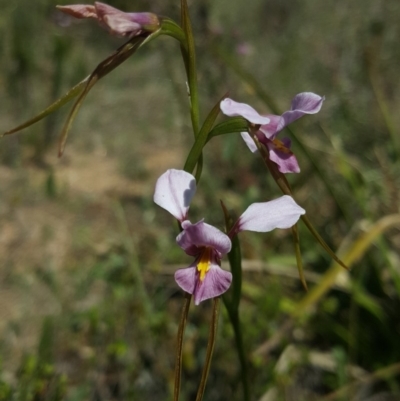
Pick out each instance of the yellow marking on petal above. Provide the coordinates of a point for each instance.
(280, 146)
(203, 266)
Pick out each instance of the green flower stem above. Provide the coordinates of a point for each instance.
(235, 261)
(195, 153)
(178, 359)
(235, 322)
(189, 56)
(171, 28)
(232, 303)
(296, 241)
(283, 184)
(210, 349)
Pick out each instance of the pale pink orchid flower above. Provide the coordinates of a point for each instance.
(204, 278)
(279, 150)
(117, 22)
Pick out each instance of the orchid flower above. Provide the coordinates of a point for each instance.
(279, 150)
(117, 22)
(205, 278)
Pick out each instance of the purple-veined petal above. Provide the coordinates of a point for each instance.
(249, 141)
(200, 235)
(286, 160)
(174, 192)
(234, 109)
(216, 282)
(303, 103)
(187, 278)
(263, 217)
(307, 102)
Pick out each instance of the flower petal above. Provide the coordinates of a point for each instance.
(286, 160)
(303, 103)
(234, 109)
(275, 125)
(79, 10)
(121, 23)
(263, 217)
(200, 235)
(216, 282)
(249, 141)
(174, 192)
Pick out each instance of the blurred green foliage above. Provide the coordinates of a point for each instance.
(97, 319)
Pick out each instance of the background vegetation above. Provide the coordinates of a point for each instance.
(89, 308)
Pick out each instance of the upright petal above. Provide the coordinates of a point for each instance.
(174, 192)
(216, 282)
(303, 103)
(283, 212)
(234, 109)
(199, 235)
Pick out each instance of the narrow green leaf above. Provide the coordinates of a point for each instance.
(201, 139)
(83, 87)
(72, 114)
(236, 124)
(73, 92)
(171, 28)
(199, 169)
(324, 245)
(104, 68)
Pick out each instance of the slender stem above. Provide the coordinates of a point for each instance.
(283, 184)
(235, 322)
(189, 55)
(210, 350)
(179, 345)
(296, 241)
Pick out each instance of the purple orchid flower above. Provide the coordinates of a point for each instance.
(279, 151)
(204, 278)
(117, 22)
